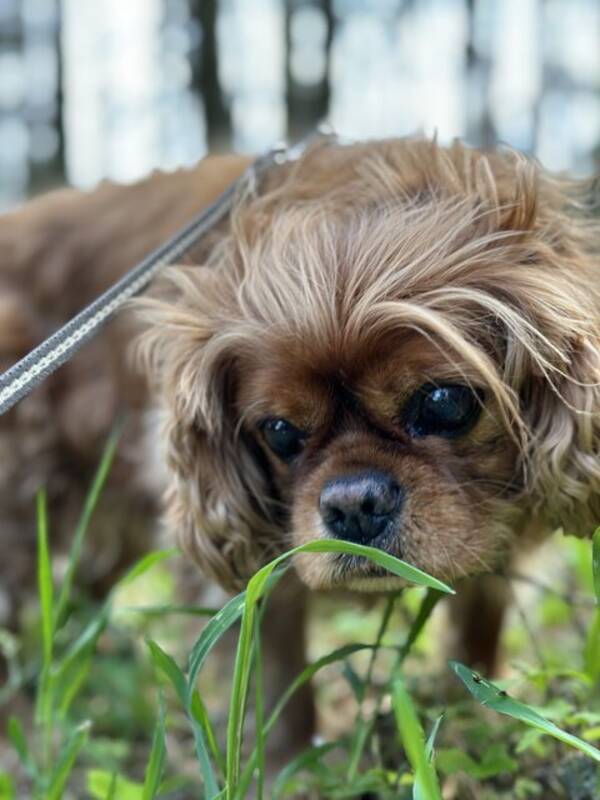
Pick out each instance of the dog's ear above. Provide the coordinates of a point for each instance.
(562, 405)
(218, 495)
(565, 452)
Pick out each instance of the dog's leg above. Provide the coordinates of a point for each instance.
(477, 613)
(284, 657)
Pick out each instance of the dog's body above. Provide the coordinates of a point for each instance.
(392, 343)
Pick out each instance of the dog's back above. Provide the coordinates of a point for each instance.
(57, 254)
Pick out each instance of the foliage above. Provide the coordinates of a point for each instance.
(96, 733)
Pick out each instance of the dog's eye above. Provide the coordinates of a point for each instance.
(284, 439)
(442, 410)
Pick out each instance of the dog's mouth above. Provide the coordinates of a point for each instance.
(360, 574)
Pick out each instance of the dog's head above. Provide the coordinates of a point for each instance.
(395, 344)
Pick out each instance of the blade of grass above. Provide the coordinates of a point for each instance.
(259, 713)
(90, 504)
(199, 720)
(596, 564)
(364, 727)
(305, 760)
(44, 701)
(433, 736)
(218, 625)
(156, 762)
(491, 696)
(143, 565)
(163, 611)
(426, 785)
(305, 676)
(64, 766)
(16, 734)
(255, 590)
(45, 587)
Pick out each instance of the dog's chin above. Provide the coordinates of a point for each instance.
(327, 571)
(375, 583)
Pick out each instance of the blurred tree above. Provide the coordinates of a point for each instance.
(205, 75)
(309, 28)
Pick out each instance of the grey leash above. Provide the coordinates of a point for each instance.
(26, 374)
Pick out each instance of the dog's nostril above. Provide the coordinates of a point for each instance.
(362, 506)
(336, 515)
(368, 507)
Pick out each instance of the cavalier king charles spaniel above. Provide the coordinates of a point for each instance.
(393, 343)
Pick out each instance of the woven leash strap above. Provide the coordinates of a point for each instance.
(18, 381)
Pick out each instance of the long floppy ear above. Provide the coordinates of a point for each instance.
(218, 496)
(563, 406)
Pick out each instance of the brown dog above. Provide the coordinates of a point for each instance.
(392, 343)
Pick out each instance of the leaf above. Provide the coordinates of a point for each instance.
(64, 766)
(156, 762)
(426, 785)
(100, 784)
(491, 696)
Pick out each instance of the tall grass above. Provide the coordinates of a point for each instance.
(53, 753)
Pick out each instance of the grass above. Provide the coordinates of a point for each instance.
(116, 715)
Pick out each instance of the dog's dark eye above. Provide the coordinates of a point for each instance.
(442, 410)
(284, 439)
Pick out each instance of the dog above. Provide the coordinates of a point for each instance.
(394, 343)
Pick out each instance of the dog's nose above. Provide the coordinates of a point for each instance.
(360, 507)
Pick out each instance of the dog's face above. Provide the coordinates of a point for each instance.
(394, 345)
(394, 446)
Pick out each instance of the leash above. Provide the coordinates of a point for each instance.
(18, 381)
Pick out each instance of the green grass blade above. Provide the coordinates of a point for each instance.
(433, 736)
(257, 587)
(163, 611)
(112, 788)
(491, 696)
(200, 717)
(64, 766)
(7, 787)
(16, 734)
(426, 785)
(305, 760)
(426, 608)
(340, 654)
(591, 651)
(199, 720)
(143, 565)
(156, 762)
(259, 712)
(89, 507)
(168, 666)
(596, 564)
(45, 587)
(103, 785)
(308, 673)
(214, 630)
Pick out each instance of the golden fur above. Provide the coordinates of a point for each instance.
(335, 289)
(372, 269)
